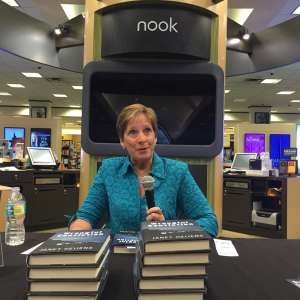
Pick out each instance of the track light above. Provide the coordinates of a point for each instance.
(61, 29)
(245, 35)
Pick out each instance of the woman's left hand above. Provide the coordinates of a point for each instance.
(155, 214)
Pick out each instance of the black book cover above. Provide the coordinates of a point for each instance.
(173, 236)
(71, 247)
(124, 242)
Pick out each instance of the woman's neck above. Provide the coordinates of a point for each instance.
(141, 168)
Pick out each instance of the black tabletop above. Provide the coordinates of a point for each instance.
(258, 273)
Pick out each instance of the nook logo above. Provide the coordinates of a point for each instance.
(152, 25)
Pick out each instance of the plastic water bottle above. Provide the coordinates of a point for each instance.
(15, 215)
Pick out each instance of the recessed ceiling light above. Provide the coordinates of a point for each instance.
(32, 75)
(60, 95)
(239, 100)
(295, 101)
(72, 10)
(273, 111)
(11, 2)
(239, 15)
(5, 94)
(271, 80)
(74, 106)
(286, 92)
(296, 11)
(77, 87)
(227, 91)
(16, 85)
(227, 110)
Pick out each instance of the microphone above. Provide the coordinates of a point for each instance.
(148, 186)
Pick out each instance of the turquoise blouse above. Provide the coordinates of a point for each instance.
(115, 191)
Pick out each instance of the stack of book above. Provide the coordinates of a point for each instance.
(69, 265)
(171, 261)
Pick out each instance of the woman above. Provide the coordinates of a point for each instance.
(117, 188)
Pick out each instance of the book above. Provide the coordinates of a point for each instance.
(176, 258)
(176, 271)
(68, 272)
(50, 296)
(173, 236)
(124, 243)
(68, 287)
(171, 284)
(164, 284)
(169, 296)
(71, 248)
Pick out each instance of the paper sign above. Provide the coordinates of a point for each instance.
(225, 248)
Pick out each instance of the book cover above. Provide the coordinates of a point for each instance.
(173, 236)
(124, 242)
(71, 248)
(66, 272)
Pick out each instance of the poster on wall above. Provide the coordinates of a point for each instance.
(16, 139)
(40, 137)
(254, 143)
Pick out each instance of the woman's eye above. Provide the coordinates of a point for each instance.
(132, 132)
(147, 130)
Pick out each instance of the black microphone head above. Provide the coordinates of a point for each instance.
(148, 183)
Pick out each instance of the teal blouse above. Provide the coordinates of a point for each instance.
(115, 191)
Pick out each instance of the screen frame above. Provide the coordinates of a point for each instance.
(248, 134)
(239, 154)
(7, 127)
(34, 164)
(39, 129)
(164, 70)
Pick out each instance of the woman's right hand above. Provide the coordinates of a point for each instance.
(79, 224)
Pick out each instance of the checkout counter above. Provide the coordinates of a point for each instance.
(51, 195)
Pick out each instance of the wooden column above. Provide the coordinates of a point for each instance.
(92, 42)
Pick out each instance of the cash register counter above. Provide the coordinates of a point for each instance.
(50, 195)
(265, 206)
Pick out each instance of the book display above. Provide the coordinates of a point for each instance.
(171, 260)
(70, 154)
(69, 265)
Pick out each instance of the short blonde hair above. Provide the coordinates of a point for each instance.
(130, 112)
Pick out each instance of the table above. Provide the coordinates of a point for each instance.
(258, 273)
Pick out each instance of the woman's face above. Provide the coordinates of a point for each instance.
(139, 139)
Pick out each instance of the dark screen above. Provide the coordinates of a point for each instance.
(40, 137)
(186, 109)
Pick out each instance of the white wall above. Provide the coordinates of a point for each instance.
(267, 129)
(27, 123)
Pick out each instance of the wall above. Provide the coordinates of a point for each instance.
(27, 123)
(267, 129)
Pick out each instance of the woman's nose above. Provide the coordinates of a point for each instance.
(141, 137)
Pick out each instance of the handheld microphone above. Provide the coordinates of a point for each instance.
(148, 186)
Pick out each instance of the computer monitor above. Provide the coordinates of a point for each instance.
(241, 160)
(41, 157)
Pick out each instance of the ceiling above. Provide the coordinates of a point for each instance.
(55, 80)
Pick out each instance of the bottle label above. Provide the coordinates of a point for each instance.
(19, 210)
(9, 210)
